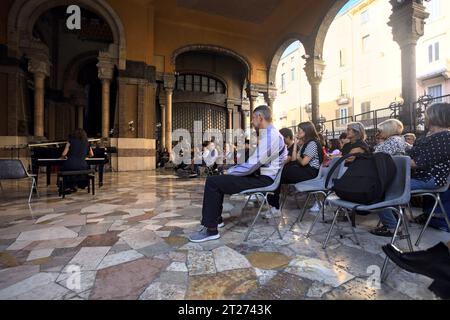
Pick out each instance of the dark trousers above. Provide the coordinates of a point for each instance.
(292, 173)
(217, 186)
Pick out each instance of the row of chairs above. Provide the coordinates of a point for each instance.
(397, 198)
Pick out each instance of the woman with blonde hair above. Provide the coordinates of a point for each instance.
(393, 143)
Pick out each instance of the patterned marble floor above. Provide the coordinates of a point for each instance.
(129, 242)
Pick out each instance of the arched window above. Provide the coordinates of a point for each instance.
(199, 83)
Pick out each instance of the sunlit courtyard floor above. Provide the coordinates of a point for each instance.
(129, 241)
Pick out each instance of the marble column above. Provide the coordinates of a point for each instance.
(105, 67)
(270, 97)
(407, 22)
(163, 126)
(169, 85)
(314, 68)
(230, 118)
(169, 93)
(40, 67)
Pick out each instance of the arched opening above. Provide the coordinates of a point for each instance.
(73, 90)
(67, 61)
(292, 104)
(209, 88)
(363, 74)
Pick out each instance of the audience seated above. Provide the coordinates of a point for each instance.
(430, 160)
(304, 164)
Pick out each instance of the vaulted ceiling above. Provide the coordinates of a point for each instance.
(256, 11)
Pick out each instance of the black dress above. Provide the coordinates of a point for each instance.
(357, 144)
(76, 161)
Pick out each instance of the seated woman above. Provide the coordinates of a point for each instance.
(304, 165)
(75, 153)
(356, 134)
(393, 143)
(430, 160)
(288, 136)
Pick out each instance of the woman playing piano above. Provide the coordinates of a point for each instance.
(75, 153)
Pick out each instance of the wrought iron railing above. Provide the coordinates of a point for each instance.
(332, 129)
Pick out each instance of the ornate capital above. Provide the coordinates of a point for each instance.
(407, 21)
(105, 66)
(39, 66)
(271, 93)
(314, 69)
(169, 81)
(246, 105)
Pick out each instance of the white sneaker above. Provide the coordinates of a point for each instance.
(221, 225)
(272, 213)
(315, 207)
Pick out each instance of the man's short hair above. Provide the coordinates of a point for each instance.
(264, 111)
(287, 133)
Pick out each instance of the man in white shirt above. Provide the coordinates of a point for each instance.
(259, 171)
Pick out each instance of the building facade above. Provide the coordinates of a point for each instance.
(363, 65)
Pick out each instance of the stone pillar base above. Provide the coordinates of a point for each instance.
(134, 154)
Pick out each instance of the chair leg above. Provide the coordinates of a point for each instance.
(308, 234)
(411, 216)
(36, 188)
(243, 208)
(31, 190)
(444, 212)
(353, 228)
(436, 202)
(336, 213)
(406, 229)
(386, 260)
(254, 220)
(283, 202)
(302, 214)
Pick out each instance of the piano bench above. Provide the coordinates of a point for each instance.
(89, 173)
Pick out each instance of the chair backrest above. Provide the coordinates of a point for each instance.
(336, 174)
(400, 186)
(12, 169)
(323, 170)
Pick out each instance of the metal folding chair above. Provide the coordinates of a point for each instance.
(263, 193)
(397, 196)
(315, 187)
(13, 169)
(435, 194)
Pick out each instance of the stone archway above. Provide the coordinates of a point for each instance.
(276, 57)
(24, 14)
(212, 48)
(318, 38)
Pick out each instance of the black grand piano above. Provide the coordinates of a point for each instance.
(48, 155)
